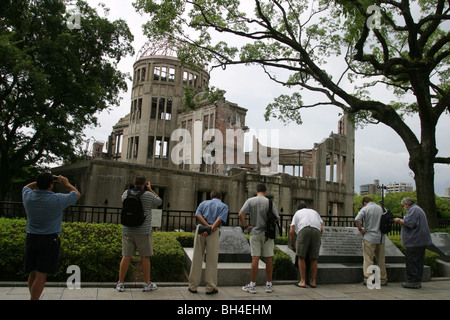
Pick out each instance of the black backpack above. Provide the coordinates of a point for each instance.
(132, 214)
(386, 221)
(271, 224)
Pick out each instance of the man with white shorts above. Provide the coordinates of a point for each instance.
(257, 207)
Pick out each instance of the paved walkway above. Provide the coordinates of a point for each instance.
(437, 289)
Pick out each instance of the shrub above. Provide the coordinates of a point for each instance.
(430, 256)
(95, 248)
(168, 257)
(12, 244)
(283, 268)
(186, 239)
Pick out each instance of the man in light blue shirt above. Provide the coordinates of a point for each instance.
(210, 213)
(44, 209)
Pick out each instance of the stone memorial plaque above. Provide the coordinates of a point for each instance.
(441, 245)
(234, 246)
(344, 245)
(340, 244)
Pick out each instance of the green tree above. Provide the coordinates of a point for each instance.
(392, 202)
(407, 53)
(55, 75)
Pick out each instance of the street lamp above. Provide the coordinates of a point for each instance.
(382, 187)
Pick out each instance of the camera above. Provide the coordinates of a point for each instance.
(55, 178)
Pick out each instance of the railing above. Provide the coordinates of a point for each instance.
(172, 220)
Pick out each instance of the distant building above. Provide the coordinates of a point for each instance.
(447, 194)
(371, 188)
(395, 187)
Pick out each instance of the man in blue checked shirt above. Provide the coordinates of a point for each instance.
(44, 210)
(210, 214)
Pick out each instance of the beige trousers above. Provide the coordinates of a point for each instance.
(371, 250)
(211, 243)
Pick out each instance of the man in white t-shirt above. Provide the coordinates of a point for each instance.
(308, 225)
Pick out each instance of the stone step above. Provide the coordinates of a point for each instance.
(334, 273)
(230, 273)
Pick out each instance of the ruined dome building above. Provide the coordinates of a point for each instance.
(142, 142)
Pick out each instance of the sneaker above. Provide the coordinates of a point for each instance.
(149, 287)
(120, 287)
(249, 288)
(269, 288)
(412, 285)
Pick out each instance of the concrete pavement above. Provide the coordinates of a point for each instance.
(436, 289)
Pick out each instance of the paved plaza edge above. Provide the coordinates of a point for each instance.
(436, 289)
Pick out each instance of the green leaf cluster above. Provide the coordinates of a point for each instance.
(54, 80)
(392, 202)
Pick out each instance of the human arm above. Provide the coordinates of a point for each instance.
(65, 182)
(292, 237)
(360, 228)
(411, 219)
(149, 188)
(203, 221)
(243, 223)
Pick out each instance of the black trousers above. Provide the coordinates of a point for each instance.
(414, 259)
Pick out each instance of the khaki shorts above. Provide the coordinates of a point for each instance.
(143, 243)
(259, 247)
(308, 243)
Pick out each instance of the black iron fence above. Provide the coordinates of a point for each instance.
(172, 220)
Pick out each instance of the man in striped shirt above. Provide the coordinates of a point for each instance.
(139, 237)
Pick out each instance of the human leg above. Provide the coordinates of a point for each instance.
(313, 264)
(269, 268)
(144, 244)
(381, 262)
(145, 266)
(302, 269)
(36, 284)
(41, 258)
(414, 259)
(123, 269)
(195, 273)
(212, 253)
(368, 254)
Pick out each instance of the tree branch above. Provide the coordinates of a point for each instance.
(442, 160)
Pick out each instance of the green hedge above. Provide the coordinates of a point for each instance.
(167, 262)
(430, 256)
(95, 248)
(12, 246)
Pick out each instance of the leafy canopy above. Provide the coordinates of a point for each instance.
(54, 79)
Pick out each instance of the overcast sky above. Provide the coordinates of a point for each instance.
(379, 152)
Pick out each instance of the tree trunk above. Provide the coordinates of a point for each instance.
(423, 168)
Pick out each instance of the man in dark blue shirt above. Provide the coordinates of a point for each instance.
(415, 237)
(210, 213)
(44, 210)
